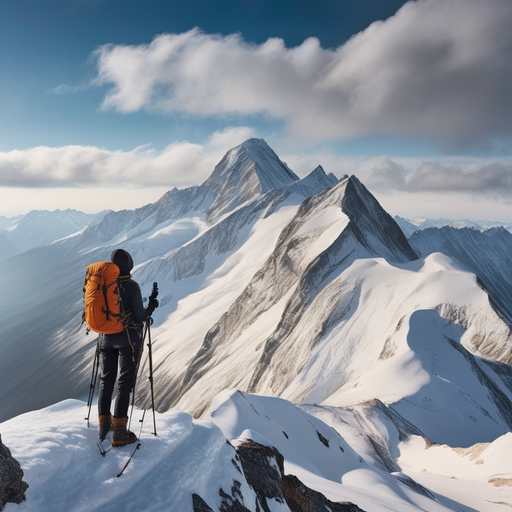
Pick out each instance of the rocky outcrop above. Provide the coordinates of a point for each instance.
(12, 486)
(303, 499)
(264, 470)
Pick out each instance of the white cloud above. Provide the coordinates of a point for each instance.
(85, 177)
(179, 164)
(439, 69)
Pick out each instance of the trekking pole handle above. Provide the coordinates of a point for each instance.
(154, 291)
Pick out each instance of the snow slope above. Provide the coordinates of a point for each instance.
(487, 254)
(65, 471)
(476, 478)
(315, 453)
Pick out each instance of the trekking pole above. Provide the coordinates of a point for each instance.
(94, 377)
(149, 322)
(136, 375)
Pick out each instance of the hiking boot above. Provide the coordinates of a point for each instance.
(105, 421)
(121, 436)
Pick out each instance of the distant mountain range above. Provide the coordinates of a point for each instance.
(38, 227)
(409, 226)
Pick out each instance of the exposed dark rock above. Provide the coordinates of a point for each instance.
(233, 502)
(300, 498)
(264, 470)
(199, 504)
(323, 440)
(12, 486)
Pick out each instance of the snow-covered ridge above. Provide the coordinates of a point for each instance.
(255, 453)
(487, 254)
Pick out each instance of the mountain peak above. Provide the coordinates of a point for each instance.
(314, 182)
(250, 169)
(254, 142)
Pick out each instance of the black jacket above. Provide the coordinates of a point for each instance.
(131, 299)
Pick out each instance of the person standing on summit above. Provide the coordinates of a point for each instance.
(119, 353)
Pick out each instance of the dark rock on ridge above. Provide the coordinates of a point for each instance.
(12, 486)
(264, 470)
(263, 467)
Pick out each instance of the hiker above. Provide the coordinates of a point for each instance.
(121, 351)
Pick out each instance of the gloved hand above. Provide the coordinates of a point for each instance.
(152, 305)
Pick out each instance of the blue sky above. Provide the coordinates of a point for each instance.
(50, 43)
(106, 96)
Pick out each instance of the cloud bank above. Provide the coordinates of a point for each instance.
(185, 164)
(482, 179)
(437, 69)
(179, 164)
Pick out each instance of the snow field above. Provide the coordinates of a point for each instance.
(65, 471)
(390, 343)
(461, 479)
(329, 466)
(479, 476)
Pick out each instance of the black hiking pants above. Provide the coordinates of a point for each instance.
(117, 352)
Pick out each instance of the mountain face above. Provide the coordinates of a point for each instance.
(329, 231)
(41, 305)
(406, 226)
(245, 172)
(488, 255)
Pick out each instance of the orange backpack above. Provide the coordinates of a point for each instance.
(102, 310)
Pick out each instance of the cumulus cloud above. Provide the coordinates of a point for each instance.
(439, 69)
(179, 164)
